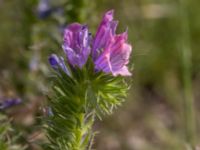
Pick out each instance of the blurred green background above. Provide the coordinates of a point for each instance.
(152, 118)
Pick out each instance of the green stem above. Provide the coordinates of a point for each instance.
(189, 109)
(83, 133)
(78, 133)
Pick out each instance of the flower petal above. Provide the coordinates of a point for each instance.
(104, 34)
(76, 44)
(123, 72)
(58, 62)
(9, 103)
(111, 52)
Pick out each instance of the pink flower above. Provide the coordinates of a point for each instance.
(111, 51)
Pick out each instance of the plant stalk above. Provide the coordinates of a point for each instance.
(189, 109)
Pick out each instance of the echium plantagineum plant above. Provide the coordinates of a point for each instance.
(89, 83)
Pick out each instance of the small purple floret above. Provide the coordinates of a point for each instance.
(44, 9)
(9, 103)
(76, 44)
(58, 62)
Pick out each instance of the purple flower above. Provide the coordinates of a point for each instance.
(104, 33)
(110, 51)
(9, 103)
(44, 9)
(58, 62)
(76, 44)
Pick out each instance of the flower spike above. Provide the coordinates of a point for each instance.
(92, 89)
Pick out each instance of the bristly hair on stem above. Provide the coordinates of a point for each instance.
(75, 101)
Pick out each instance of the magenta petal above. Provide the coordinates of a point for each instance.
(114, 63)
(76, 44)
(119, 58)
(103, 62)
(111, 52)
(122, 71)
(104, 34)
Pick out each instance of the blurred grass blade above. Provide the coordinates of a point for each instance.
(189, 109)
